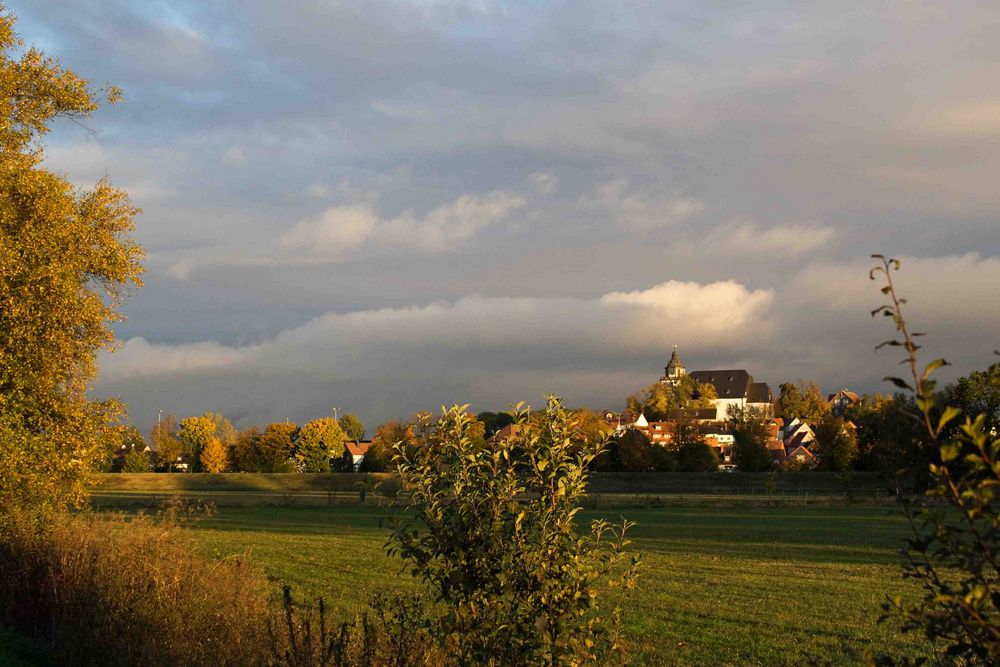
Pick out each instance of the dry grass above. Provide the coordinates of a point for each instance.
(105, 590)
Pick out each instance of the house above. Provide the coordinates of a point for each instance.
(776, 448)
(840, 401)
(800, 457)
(736, 388)
(796, 432)
(660, 433)
(722, 441)
(356, 451)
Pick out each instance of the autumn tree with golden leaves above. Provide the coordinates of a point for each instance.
(67, 262)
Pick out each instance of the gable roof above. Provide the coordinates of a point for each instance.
(358, 448)
(727, 383)
(846, 393)
(799, 440)
(800, 452)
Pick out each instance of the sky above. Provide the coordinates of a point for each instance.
(389, 206)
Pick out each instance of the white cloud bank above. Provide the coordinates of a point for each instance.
(473, 341)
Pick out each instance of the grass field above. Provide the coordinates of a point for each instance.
(720, 585)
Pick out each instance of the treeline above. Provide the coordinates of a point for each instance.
(210, 443)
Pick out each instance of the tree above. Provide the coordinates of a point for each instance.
(274, 448)
(317, 442)
(223, 428)
(214, 456)
(135, 460)
(379, 454)
(118, 441)
(631, 450)
(353, 428)
(194, 435)
(976, 394)
(494, 540)
(697, 457)
(891, 442)
(693, 454)
(750, 435)
(803, 400)
(244, 455)
(164, 440)
(954, 551)
(67, 263)
(836, 444)
(658, 400)
(494, 421)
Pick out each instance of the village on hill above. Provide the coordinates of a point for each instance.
(714, 398)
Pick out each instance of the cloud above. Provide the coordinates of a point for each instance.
(473, 339)
(968, 119)
(341, 229)
(383, 127)
(642, 207)
(138, 358)
(543, 182)
(234, 156)
(748, 238)
(343, 232)
(336, 232)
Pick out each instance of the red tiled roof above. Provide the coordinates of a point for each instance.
(358, 448)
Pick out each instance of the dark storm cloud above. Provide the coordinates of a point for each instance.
(302, 161)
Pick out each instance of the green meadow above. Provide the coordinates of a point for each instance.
(736, 585)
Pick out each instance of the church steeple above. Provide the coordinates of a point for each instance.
(674, 370)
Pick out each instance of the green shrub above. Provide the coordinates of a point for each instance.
(495, 542)
(955, 548)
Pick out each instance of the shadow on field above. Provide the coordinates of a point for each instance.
(863, 535)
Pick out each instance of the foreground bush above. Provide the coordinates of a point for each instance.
(495, 543)
(954, 552)
(99, 590)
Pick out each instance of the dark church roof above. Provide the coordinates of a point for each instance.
(727, 383)
(760, 393)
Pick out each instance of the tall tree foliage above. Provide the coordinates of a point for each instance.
(352, 426)
(66, 264)
(750, 435)
(836, 444)
(387, 436)
(657, 400)
(317, 442)
(803, 400)
(163, 437)
(953, 554)
(195, 434)
(215, 456)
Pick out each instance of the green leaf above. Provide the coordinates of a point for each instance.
(950, 451)
(933, 366)
(899, 382)
(948, 415)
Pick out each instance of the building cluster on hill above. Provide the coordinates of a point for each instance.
(790, 442)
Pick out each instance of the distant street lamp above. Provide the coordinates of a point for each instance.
(335, 411)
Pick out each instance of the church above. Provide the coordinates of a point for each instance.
(733, 387)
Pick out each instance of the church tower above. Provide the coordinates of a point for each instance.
(674, 370)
